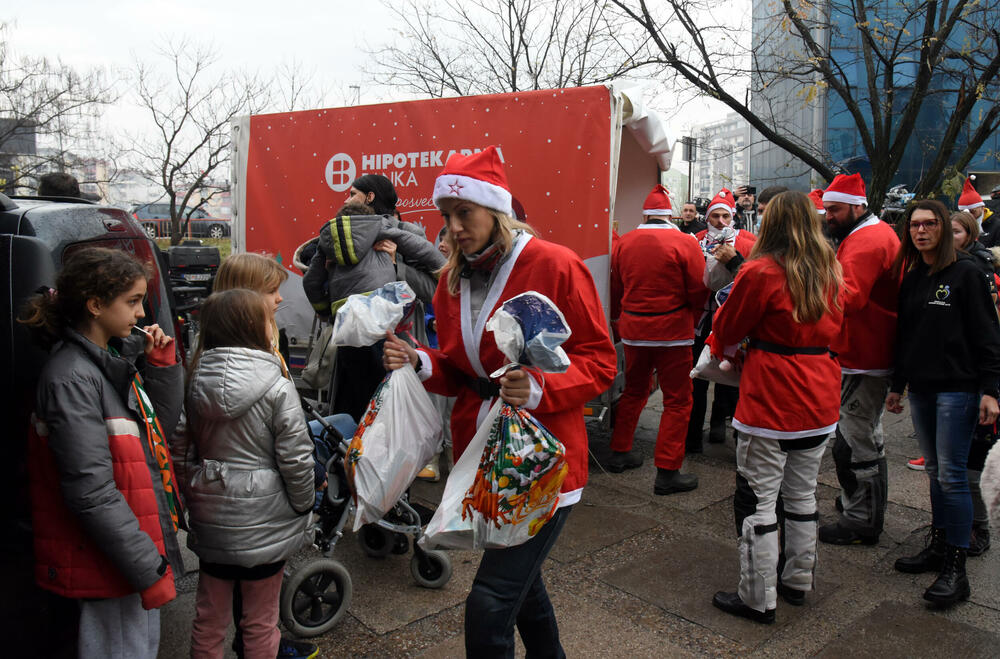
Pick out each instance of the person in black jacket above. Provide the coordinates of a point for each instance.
(948, 354)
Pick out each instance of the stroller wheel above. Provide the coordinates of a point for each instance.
(315, 597)
(376, 541)
(400, 543)
(430, 569)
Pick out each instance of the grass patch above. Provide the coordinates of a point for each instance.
(225, 245)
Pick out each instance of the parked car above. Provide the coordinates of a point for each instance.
(155, 220)
(35, 236)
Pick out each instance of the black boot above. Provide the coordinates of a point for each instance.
(952, 585)
(929, 559)
(732, 604)
(669, 481)
(717, 431)
(980, 540)
(622, 460)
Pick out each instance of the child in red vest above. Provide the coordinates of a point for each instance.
(105, 506)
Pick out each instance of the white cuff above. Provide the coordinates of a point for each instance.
(426, 366)
(535, 397)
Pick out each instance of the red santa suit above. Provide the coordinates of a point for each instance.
(657, 296)
(782, 396)
(867, 254)
(468, 352)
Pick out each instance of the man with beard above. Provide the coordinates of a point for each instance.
(866, 250)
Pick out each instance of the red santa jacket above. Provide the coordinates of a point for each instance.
(865, 343)
(781, 396)
(657, 293)
(467, 352)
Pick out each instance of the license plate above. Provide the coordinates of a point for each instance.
(198, 277)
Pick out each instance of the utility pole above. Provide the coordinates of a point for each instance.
(690, 154)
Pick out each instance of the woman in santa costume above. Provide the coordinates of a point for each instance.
(786, 299)
(493, 258)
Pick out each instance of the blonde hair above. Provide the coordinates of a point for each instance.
(791, 234)
(255, 272)
(504, 229)
(249, 270)
(968, 223)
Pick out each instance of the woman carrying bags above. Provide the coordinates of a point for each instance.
(786, 300)
(493, 258)
(948, 354)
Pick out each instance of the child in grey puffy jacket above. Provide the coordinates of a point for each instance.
(348, 261)
(243, 456)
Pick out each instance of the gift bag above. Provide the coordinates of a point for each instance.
(506, 484)
(364, 318)
(398, 435)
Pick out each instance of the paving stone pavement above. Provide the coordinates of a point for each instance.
(632, 575)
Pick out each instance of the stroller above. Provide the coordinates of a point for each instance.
(315, 596)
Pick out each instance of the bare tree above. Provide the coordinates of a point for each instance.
(46, 104)
(890, 63)
(192, 108)
(461, 47)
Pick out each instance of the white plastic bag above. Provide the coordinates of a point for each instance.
(365, 318)
(712, 369)
(398, 435)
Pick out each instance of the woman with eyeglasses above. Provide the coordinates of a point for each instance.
(948, 356)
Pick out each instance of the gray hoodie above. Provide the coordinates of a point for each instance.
(243, 456)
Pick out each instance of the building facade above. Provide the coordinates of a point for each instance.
(816, 117)
(722, 159)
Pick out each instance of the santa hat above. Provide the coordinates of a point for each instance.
(724, 199)
(970, 198)
(658, 202)
(847, 190)
(817, 200)
(478, 178)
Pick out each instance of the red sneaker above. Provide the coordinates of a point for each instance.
(916, 464)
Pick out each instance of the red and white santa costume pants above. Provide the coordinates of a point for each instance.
(673, 371)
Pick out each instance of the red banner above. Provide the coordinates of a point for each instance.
(555, 144)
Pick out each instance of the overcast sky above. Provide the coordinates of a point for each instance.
(326, 37)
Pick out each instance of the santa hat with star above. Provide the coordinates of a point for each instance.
(817, 199)
(970, 198)
(724, 200)
(478, 178)
(847, 190)
(658, 202)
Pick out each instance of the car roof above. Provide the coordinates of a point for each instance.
(58, 223)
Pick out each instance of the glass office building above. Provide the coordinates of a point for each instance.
(819, 117)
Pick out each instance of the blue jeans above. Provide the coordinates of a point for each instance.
(944, 423)
(508, 589)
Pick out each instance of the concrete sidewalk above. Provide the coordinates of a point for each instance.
(633, 574)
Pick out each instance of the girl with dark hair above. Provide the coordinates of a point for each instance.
(104, 503)
(787, 300)
(948, 354)
(244, 462)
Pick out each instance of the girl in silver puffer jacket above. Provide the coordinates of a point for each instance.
(243, 456)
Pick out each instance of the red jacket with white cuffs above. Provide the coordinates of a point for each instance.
(468, 351)
(657, 294)
(782, 396)
(865, 344)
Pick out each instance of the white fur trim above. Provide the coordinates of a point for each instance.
(659, 211)
(457, 186)
(732, 211)
(844, 198)
(970, 206)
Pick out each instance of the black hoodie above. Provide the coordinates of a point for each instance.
(948, 334)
